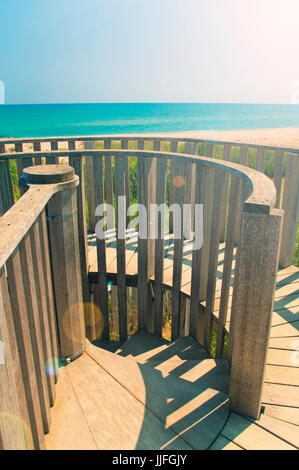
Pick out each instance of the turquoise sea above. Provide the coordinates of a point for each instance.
(126, 118)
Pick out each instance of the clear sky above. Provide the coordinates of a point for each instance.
(149, 50)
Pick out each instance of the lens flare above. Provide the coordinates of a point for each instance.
(178, 181)
(14, 426)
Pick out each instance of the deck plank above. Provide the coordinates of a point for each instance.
(117, 420)
(252, 437)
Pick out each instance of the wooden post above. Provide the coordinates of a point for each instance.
(253, 298)
(65, 255)
(290, 205)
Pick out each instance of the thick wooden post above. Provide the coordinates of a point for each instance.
(65, 256)
(252, 307)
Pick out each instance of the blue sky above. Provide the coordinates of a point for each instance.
(149, 50)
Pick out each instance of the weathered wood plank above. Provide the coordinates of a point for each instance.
(121, 246)
(47, 276)
(31, 288)
(14, 417)
(109, 183)
(213, 258)
(159, 245)
(22, 330)
(42, 308)
(181, 170)
(249, 436)
(90, 186)
(101, 247)
(256, 266)
(290, 205)
(234, 206)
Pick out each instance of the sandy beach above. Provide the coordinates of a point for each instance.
(283, 137)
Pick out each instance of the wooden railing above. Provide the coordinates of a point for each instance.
(239, 209)
(280, 163)
(41, 311)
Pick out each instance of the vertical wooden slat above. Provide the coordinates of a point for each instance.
(77, 164)
(109, 183)
(22, 330)
(244, 155)
(101, 246)
(223, 213)
(37, 148)
(6, 191)
(121, 246)
(233, 216)
(53, 160)
(143, 286)
(260, 160)
(278, 171)
(207, 198)
(196, 263)
(124, 146)
(159, 248)
(47, 276)
(34, 314)
(156, 145)
(213, 257)
(177, 256)
(14, 417)
(42, 306)
(90, 145)
(152, 174)
(172, 172)
(209, 150)
(290, 205)
(19, 149)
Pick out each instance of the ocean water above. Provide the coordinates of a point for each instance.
(126, 118)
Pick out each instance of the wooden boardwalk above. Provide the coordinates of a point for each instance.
(151, 394)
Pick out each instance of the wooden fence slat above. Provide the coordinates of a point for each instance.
(36, 148)
(34, 314)
(209, 150)
(40, 286)
(278, 171)
(77, 164)
(159, 246)
(213, 258)
(260, 160)
(290, 205)
(196, 263)
(6, 191)
(53, 160)
(172, 173)
(98, 175)
(21, 327)
(121, 246)
(14, 417)
(207, 197)
(244, 155)
(47, 276)
(143, 286)
(234, 207)
(124, 146)
(224, 204)
(109, 183)
(90, 145)
(177, 255)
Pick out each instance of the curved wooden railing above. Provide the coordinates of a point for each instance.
(239, 209)
(280, 163)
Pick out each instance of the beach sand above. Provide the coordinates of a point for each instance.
(283, 137)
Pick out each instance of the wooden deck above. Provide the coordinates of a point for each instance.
(151, 394)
